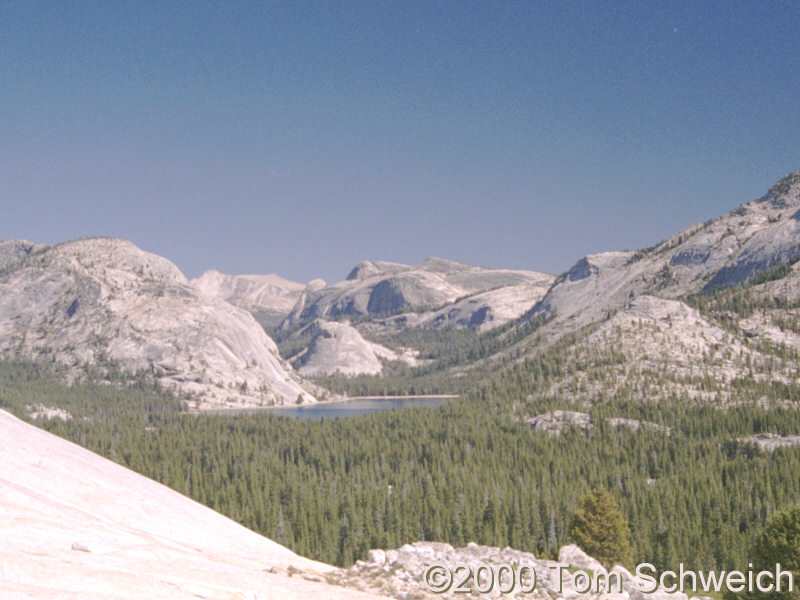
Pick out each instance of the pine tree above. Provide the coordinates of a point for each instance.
(600, 530)
(780, 543)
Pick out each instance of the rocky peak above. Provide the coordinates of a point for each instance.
(116, 262)
(367, 268)
(315, 285)
(785, 193)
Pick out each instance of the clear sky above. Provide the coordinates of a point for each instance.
(300, 138)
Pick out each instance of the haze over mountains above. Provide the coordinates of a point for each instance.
(104, 302)
(268, 297)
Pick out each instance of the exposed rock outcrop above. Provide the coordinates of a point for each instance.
(404, 573)
(100, 301)
(76, 525)
(771, 441)
(13, 250)
(556, 421)
(381, 289)
(720, 253)
(339, 348)
(268, 297)
(574, 556)
(487, 310)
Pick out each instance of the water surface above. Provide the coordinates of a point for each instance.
(347, 408)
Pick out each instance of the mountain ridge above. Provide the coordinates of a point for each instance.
(91, 301)
(720, 253)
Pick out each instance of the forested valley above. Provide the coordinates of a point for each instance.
(471, 470)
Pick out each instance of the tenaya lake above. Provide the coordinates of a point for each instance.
(353, 407)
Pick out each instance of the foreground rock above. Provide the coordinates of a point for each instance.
(402, 573)
(103, 302)
(75, 525)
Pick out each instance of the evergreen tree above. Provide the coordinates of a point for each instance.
(600, 530)
(699, 495)
(780, 543)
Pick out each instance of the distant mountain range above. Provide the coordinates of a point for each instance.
(268, 297)
(104, 303)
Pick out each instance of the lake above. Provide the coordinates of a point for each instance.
(347, 408)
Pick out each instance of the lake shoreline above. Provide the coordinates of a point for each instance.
(395, 397)
(338, 400)
(358, 405)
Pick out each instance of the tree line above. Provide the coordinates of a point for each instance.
(471, 470)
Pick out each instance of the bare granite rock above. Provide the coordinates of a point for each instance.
(771, 441)
(487, 310)
(104, 301)
(40, 411)
(555, 422)
(338, 348)
(574, 556)
(412, 570)
(381, 289)
(269, 298)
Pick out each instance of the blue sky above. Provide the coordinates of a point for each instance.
(300, 138)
